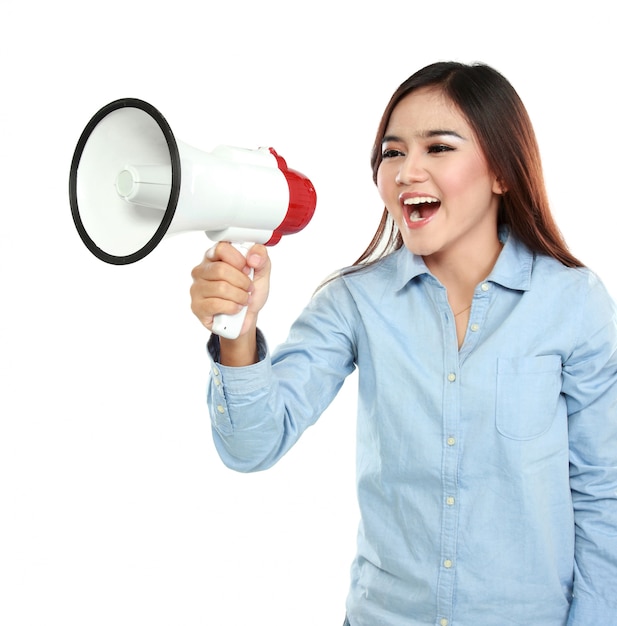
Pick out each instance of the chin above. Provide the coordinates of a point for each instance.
(420, 248)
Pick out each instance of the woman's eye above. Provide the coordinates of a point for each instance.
(390, 153)
(438, 148)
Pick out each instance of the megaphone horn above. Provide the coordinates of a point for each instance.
(132, 183)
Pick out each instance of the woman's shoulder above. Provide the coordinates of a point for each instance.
(579, 287)
(547, 268)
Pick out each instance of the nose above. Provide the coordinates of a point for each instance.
(410, 171)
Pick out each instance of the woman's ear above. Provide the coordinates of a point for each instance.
(499, 187)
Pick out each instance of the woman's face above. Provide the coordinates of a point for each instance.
(435, 181)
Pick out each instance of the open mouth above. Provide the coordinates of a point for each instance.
(418, 210)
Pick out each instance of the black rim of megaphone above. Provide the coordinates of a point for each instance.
(175, 181)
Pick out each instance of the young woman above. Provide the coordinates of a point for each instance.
(487, 360)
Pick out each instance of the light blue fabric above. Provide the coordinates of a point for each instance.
(487, 477)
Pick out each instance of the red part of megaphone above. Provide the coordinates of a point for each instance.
(302, 202)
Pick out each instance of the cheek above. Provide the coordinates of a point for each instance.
(386, 179)
(389, 192)
(382, 187)
(472, 179)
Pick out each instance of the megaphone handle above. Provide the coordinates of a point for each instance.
(229, 326)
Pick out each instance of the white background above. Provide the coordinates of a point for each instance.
(115, 508)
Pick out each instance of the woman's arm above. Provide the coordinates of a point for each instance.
(259, 411)
(590, 387)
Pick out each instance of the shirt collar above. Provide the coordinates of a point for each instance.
(512, 269)
(514, 264)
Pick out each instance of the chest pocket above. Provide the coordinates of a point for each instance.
(528, 390)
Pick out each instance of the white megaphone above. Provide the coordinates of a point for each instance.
(132, 183)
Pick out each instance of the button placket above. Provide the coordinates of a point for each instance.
(452, 439)
(450, 461)
(449, 486)
(477, 317)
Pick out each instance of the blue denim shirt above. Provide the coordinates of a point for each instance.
(486, 476)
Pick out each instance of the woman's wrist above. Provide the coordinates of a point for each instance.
(239, 352)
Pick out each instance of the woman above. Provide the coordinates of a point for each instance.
(487, 359)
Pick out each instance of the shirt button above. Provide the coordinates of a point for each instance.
(451, 441)
(215, 371)
(451, 377)
(447, 563)
(485, 287)
(475, 327)
(450, 500)
(443, 622)
(220, 408)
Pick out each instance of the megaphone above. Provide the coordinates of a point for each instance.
(132, 183)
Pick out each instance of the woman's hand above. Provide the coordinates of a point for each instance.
(221, 284)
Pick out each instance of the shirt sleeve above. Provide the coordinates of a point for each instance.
(258, 412)
(590, 387)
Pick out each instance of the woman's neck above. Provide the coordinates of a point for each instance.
(459, 271)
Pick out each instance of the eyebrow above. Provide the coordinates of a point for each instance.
(427, 134)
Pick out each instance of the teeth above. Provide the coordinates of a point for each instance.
(419, 200)
(415, 216)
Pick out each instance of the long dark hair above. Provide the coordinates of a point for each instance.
(505, 133)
